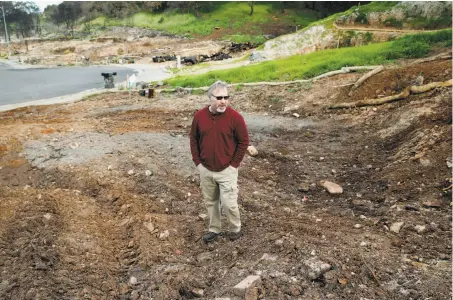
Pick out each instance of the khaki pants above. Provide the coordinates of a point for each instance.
(221, 187)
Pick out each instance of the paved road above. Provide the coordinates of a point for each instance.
(23, 85)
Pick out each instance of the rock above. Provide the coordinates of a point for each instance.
(164, 235)
(362, 205)
(268, 257)
(123, 288)
(331, 276)
(73, 145)
(449, 164)
(425, 162)
(304, 187)
(125, 222)
(249, 282)
(47, 216)
(296, 115)
(411, 207)
(148, 173)
(331, 187)
(358, 226)
(133, 280)
(203, 257)
(363, 244)
(149, 226)
(130, 172)
(419, 80)
(316, 268)
(251, 150)
(198, 292)
(110, 167)
(396, 227)
(433, 203)
(420, 228)
(202, 217)
(135, 295)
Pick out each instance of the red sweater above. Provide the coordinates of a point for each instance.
(218, 140)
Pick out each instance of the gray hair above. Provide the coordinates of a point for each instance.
(216, 85)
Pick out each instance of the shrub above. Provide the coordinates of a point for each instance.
(120, 51)
(362, 18)
(368, 37)
(392, 22)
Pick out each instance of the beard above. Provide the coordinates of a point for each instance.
(221, 109)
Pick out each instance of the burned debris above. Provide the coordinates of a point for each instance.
(224, 53)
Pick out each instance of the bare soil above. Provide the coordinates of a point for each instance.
(80, 216)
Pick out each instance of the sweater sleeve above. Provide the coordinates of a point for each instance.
(242, 138)
(194, 136)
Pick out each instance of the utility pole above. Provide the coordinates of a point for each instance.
(6, 30)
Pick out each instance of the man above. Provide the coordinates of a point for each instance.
(218, 141)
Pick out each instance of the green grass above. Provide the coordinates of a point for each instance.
(233, 17)
(423, 23)
(313, 64)
(242, 38)
(377, 6)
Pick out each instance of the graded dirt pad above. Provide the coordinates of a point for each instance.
(99, 199)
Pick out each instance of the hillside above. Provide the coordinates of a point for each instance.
(224, 20)
(371, 23)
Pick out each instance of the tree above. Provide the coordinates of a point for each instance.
(66, 13)
(251, 4)
(22, 18)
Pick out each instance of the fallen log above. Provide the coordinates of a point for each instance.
(441, 56)
(427, 87)
(404, 94)
(365, 77)
(342, 71)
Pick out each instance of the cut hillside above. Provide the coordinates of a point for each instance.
(374, 22)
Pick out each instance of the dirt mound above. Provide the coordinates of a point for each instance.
(100, 198)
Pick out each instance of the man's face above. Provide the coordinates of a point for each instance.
(218, 101)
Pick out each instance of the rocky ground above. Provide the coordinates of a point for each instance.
(99, 199)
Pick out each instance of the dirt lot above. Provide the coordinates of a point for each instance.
(100, 198)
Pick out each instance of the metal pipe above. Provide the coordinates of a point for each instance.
(6, 31)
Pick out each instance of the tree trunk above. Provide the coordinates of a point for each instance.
(251, 4)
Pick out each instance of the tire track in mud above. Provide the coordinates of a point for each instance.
(57, 246)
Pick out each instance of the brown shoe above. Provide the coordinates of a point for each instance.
(235, 235)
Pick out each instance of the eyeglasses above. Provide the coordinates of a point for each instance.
(221, 97)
